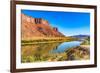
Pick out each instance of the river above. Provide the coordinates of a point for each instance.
(45, 51)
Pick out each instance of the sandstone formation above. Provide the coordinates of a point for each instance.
(37, 27)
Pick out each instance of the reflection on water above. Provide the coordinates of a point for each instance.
(64, 46)
(46, 51)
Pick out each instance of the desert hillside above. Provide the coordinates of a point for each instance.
(37, 27)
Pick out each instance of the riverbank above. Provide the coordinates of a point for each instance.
(76, 53)
(36, 54)
(39, 40)
(81, 52)
(85, 46)
(38, 50)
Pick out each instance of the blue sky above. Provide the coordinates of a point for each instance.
(68, 23)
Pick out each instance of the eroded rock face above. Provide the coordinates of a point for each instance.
(37, 27)
(29, 19)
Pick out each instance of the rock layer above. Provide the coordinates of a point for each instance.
(37, 27)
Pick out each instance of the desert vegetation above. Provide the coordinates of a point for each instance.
(47, 40)
(41, 52)
(76, 53)
(86, 41)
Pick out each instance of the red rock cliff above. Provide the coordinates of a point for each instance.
(37, 27)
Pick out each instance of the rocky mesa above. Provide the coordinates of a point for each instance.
(37, 27)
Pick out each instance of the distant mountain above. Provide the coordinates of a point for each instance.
(80, 36)
(37, 27)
